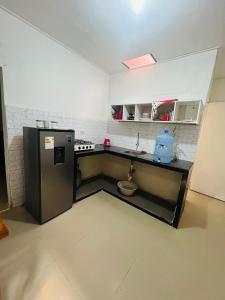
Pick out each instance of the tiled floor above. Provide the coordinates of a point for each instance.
(104, 249)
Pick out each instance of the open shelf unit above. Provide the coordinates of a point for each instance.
(188, 111)
(179, 112)
(143, 112)
(164, 110)
(129, 112)
(117, 112)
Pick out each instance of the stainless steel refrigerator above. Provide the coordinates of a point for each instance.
(49, 171)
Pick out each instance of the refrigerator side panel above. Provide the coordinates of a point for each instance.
(32, 172)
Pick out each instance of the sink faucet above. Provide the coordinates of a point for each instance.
(138, 138)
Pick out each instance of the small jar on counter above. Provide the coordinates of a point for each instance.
(53, 124)
(40, 123)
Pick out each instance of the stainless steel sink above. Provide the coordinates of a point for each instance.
(134, 152)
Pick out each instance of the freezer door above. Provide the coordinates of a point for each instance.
(56, 172)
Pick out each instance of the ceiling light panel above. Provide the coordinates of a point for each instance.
(137, 5)
(141, 61)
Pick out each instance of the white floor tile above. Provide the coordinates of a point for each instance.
(104, 249)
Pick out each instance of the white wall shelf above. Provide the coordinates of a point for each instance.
(117, 112)
(143, 112)
(129, 112)
(160, 122)
(164, 110)
(178, 112)
(188, 111)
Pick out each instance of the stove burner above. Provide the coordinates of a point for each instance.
(82, 142)
(81, 145)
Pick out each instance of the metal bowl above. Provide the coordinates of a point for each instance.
(127, 188)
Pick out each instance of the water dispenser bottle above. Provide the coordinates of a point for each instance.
(164, 147)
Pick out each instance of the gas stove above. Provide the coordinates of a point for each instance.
(81, 145)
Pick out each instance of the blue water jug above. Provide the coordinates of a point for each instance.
(164, 147)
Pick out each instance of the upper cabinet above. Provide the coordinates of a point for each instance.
(184, 112)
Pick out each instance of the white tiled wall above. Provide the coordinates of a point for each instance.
(121, 134)
(124, 134)
(17, 118)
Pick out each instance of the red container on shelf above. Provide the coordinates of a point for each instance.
(118, 115)
(166, 117)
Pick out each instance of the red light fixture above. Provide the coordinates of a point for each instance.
(138, 62)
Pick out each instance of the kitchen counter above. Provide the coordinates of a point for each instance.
(158, 207)
(181, 166)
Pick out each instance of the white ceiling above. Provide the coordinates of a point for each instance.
(107, 32)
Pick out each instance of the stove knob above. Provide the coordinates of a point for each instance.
(79, 147)
(83, 147)
(86, 147)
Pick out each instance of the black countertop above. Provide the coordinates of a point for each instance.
(181, 166)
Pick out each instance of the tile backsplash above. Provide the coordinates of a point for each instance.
(17, 118)
(122, 134)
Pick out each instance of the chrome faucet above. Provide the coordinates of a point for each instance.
(138, 138)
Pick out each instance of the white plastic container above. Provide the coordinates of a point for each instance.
(53, 124)
(145, 115)
(40, 123)
(164, 147)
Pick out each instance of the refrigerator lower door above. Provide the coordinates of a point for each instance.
(56, 173)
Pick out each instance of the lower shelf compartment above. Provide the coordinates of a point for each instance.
(153, 205)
